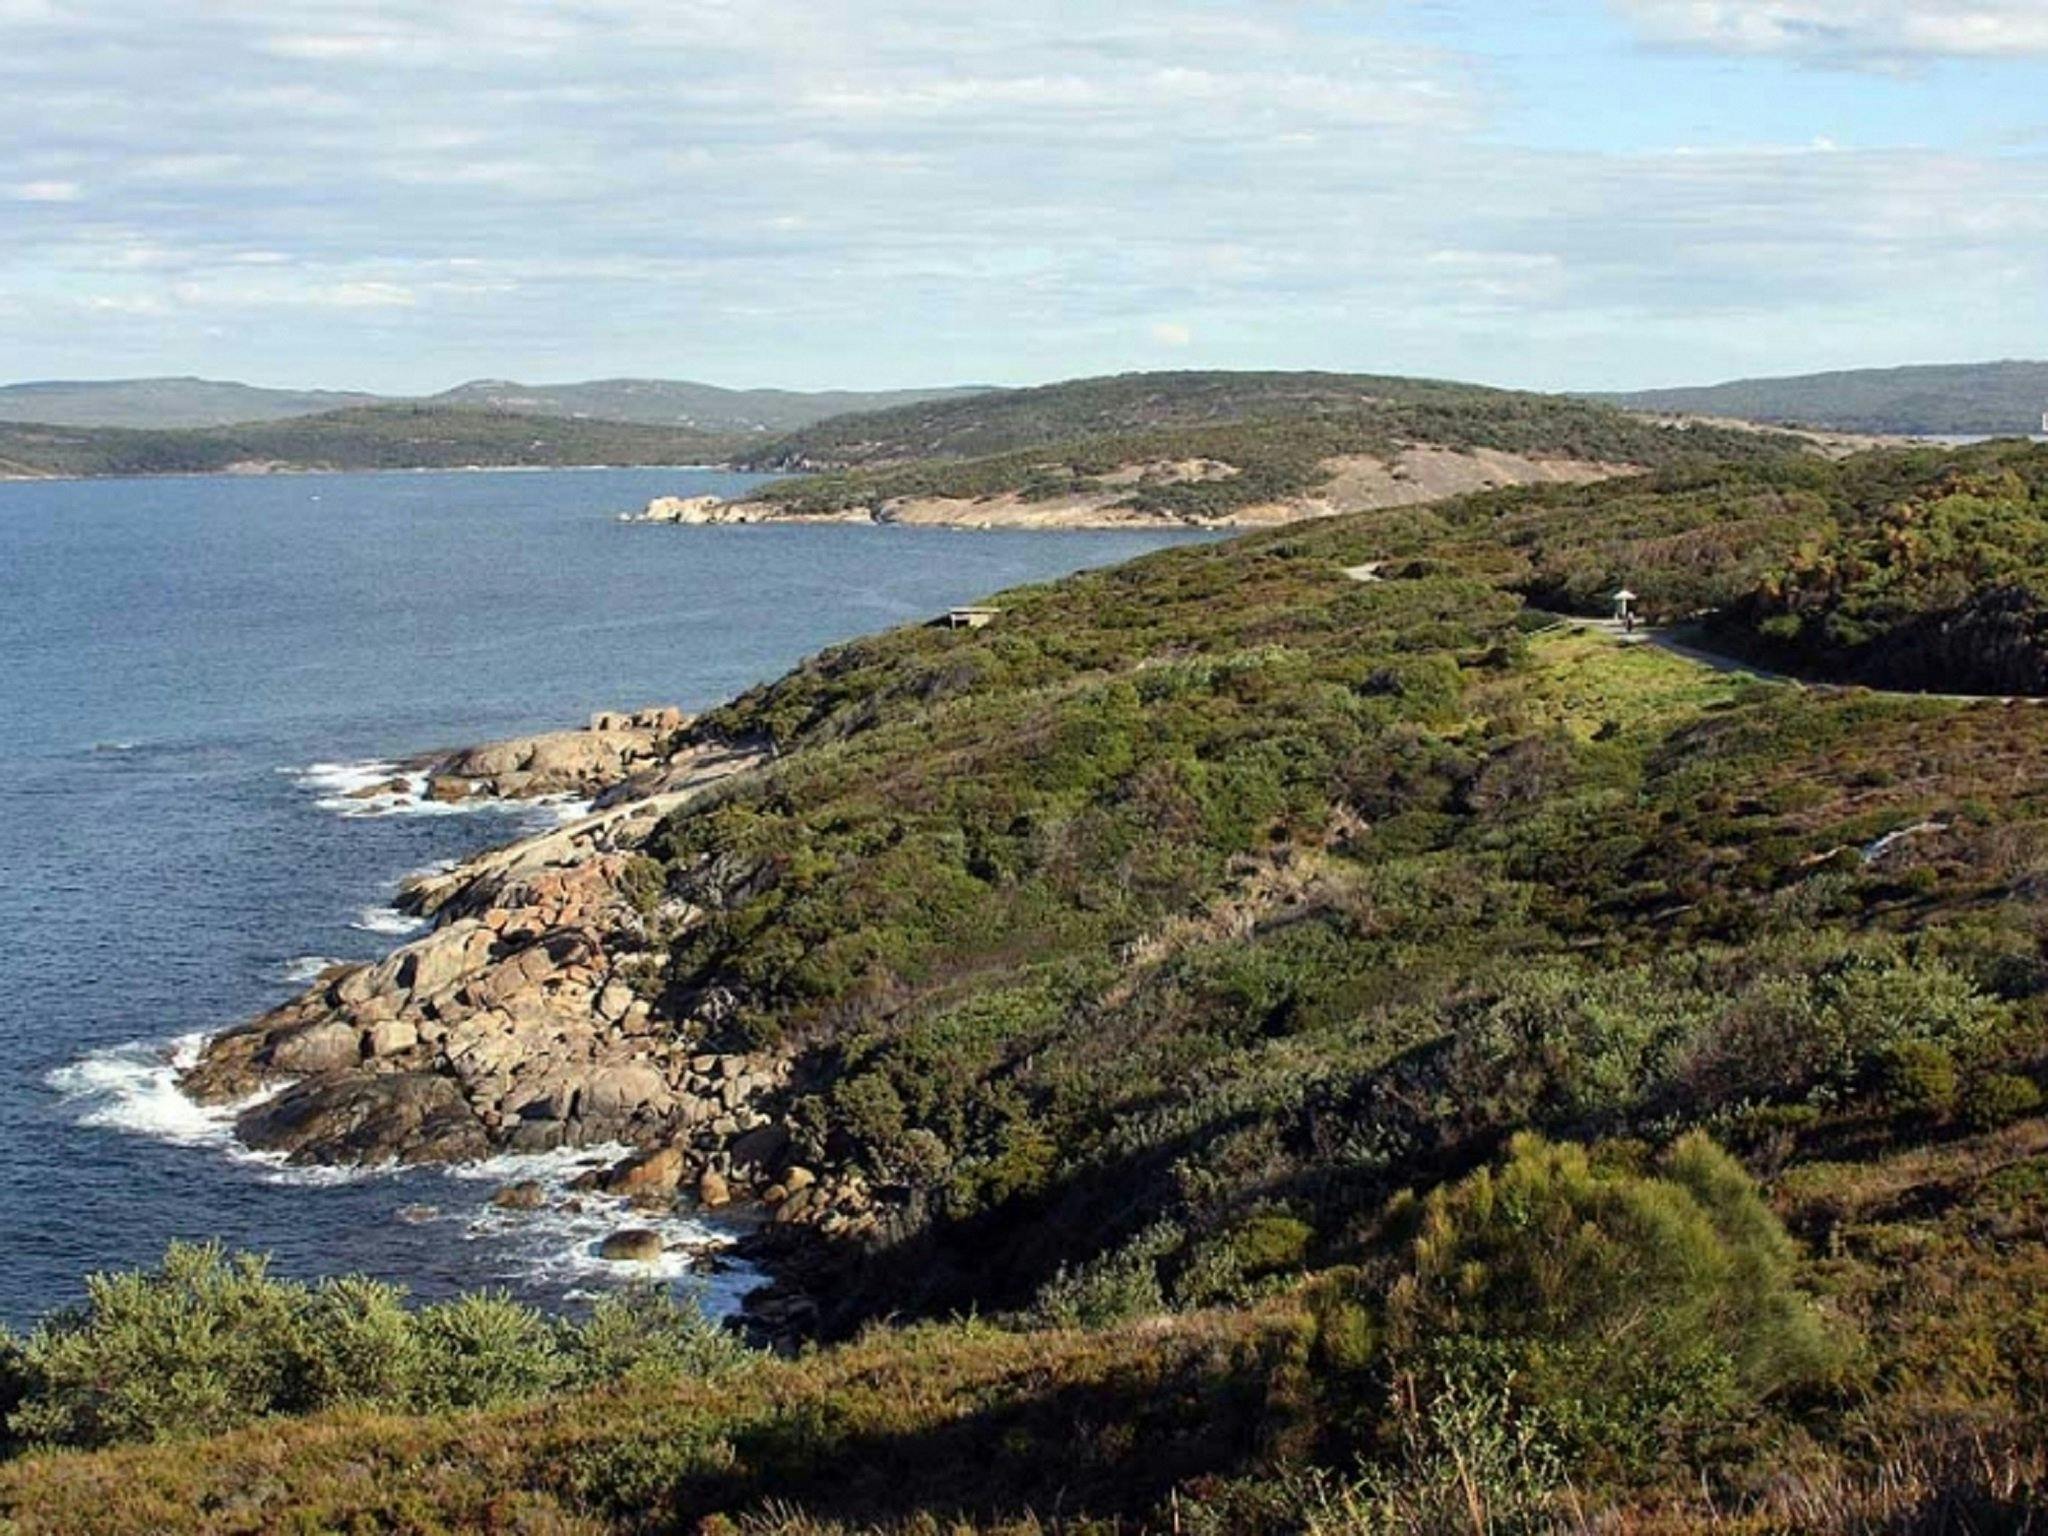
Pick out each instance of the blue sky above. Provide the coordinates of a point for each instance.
(400, 194)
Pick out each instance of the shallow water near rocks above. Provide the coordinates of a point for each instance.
(194, 673)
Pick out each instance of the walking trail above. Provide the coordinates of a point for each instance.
(1684, 640)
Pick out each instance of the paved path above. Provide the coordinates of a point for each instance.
(1684, 640)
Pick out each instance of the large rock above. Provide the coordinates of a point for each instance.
(619, 1092)
(635, 1245)
(391, 1037)
(510, 1025)
(433, 964)
(317, 1048)
(555, 762)
(368, 1117)
(651, 1173)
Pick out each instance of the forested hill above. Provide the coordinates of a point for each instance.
(1205, 446)
(1962, 399)
(367, 437)
(1007, 421)
(1322, 1055)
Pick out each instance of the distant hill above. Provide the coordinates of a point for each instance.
(363, 437)
(152, 404)
(669, 403)
(1989, 399)
(1209, 447)
(163, 402)
(1006, 420)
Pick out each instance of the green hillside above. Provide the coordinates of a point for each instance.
(1329, 1056)
(1005, 421)
(366, 437)
(1960, 399)
(1277, 432)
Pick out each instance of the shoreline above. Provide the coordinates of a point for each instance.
(509, 1028)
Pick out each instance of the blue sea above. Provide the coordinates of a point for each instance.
(193, 672)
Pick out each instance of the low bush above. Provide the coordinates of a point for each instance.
(1997, 1098)
(1635, 1312)
(209, 1340)
(1118, 1285)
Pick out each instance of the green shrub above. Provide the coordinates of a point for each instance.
(196, 1346)
(483, 1349)
(1917, 1077)
(1469, 1460)
(643, 882)
(645, 1334)
(1636, 1312)
(210, 1340)
(1115, 1286)
(1998, 1098)
(355, 1343)
(1228, 1265)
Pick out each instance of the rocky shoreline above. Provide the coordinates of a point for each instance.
(531, 1017)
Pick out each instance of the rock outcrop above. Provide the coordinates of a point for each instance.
(578, 763)
(520, 1022)
(530, 1017)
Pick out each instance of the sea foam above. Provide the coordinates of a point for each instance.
(556, 1246)
(133, 1087)
(304, 970)
(387, 920)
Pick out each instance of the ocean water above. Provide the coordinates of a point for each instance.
(194, 672)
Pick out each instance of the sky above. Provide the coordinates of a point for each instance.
(401, 194)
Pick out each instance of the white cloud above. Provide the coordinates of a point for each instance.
(46, 191)
(365, 295)
(1847, 31)
(902, 190)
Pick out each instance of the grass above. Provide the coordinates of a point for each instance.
(1589, 683)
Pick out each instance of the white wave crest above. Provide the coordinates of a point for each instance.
(372, 787)
(375, 787)
(133, 1087)
(387, 920)
(304, 970)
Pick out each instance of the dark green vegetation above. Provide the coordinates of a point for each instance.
(1929, 572)
(161, 403)
(1988, 399)
(667, 402)
(368, 437)
(1276, 431)
(1372, 1056)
